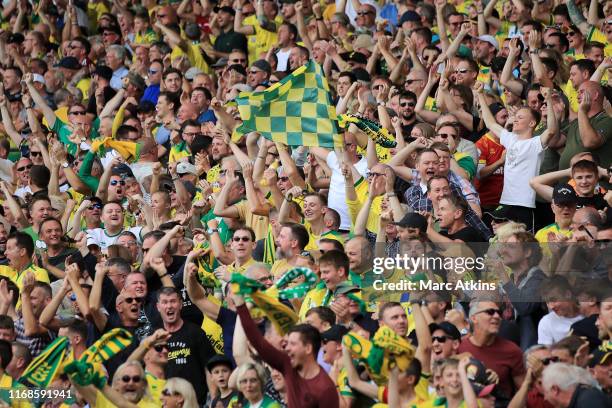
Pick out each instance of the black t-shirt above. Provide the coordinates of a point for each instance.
(229, 41)
(189, 351)
(467, 234)
(219, 402)
(597, 202)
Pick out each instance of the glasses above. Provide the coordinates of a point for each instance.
(27, 167)
(457, 23)
(462, 70)
(253, 71)
(571, 34)
(603, 241)
(491, 312)
(446, 135)
(283, 179)
(108, 33)
(167, 393)
(153, 71)
(410, 81)
(135, 379)
(364, 13)
(130, 300)
(372, 174)
(161, 347)
(243, 239)
(550, 45)
(266, 278)
(439, 339)
(548, 360)
(238, 61)
(79, 112)
(411, 104)
(95, 206)
(35, 154)
(115, 182)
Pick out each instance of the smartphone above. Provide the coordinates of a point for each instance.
(441, 68)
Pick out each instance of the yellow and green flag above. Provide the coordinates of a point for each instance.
(43, 368)
(297, 111)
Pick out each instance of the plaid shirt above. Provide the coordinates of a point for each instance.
(35, 344)
(468, 191)
(418, 201)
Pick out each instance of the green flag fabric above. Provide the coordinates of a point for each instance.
(43, 368)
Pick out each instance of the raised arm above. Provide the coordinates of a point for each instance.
(543, 184)
(577, 18)
(239, 27)
(197, 294)
(31, 325)
(95, 298)
(419, 109)
(507, 78)
(485, 112)
(40, 101)
(441, 24)
(47, 317)
(552, 125)
(299, 14)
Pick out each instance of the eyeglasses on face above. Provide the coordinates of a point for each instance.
(243, 239)
(372, 174)
(130, 300)
(283, 179)
(135, 379)
(161, 347)
(411, 81)
(79, 112)
(548, 360)
(439, 339)
(462, 70)
(446, 135)
(153, 71)
(95, 206)
(411, 104)
(35, 154)
(363, 13)
(115, 182)
(491, 312)
(24, 168)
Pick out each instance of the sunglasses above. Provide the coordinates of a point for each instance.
(364, 13)
(108, 33)
(161, 347)
(77, 113)
(135, 379)
(446, 135)
(153, 71)
(130, 300)
(35, 154)
(283, 179)
(94, 206)
(548, 360)
(167, 393)
(571, 34)
(462, 71)
(439, 339)
(411, 81)
(491, 312)
(404, 104)
(603, 241)
(27, 167)
(550, 45)
(243, 239)
(115, 182)
(371, 175)
(161, 15)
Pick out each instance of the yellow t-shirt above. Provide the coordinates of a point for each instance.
(194, 55)
(103, 402)
(262, 40)
(542, 237)
(598, 36)
(40, 274)
(6, 384)
(155, 385)
(213, 330)
(572, 95)
(240, 269)
(259, 223)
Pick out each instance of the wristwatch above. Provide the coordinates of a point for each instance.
(211, 231)
(65, 165)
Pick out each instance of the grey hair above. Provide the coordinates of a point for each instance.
(127, 364)
(261, 373)
(566, 376)
(257, 266)
(118, 50)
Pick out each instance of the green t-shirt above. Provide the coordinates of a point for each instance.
(602, 123)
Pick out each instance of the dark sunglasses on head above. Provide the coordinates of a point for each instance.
(491, 312)
(161, 347)
(548, 360)
(130, 300)
(136, 379)
(439, 339)
(243, 239)
(26, 167)
(115, 182)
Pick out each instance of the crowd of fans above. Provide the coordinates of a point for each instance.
(500, 111)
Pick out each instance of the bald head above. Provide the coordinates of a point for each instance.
(595, 91)
(587, 216)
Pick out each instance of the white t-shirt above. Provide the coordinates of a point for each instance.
(99, 237)
(337, 189)
(283, 60)
(553, 327)
(523, 158)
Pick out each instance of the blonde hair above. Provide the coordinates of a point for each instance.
(183, 387)
(259, 370)
(507, 230)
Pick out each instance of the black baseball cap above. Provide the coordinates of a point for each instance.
(564, 194)
(123, 170)
(104, 72)
(238, 68)
(15, 38)
(69, 63)
(219, 359)
(448, 328)
(334, 333)
(503, 213)
(226, 9)
(413, 220)
(365, 321)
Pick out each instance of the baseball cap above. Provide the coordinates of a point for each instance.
(186, 168)
(111, 27)
(221, 62)
(489, 39)
(564, 194)
(413, 220)
(448, 328)
(262, 65)
(344, 287)
(104, 72)
(503, 213)
(410, 15)
(477, 374)
(334, 333)
(358, 57)
(365, 321)
(496, 107)
(69, 63)
(219, 359)
(123, 170)
(226, 9)
(192, 72)
(38, 78)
